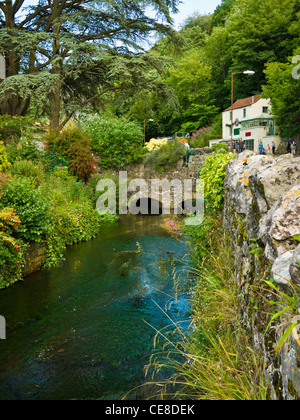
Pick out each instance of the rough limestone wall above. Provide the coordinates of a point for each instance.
(262, 216)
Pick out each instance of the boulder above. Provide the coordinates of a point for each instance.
(295, 267)
(279, 227)
(281, 268)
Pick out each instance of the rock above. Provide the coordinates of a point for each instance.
(279, 177)
(278, 227)
(281, 268)
(286, 217)
(295, 267)
(35, 258)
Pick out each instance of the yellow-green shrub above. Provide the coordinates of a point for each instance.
(4, 163)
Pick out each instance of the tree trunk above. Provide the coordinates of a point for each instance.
(55, 107)
(56, 68)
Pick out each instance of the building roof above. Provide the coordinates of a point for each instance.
(242, 103)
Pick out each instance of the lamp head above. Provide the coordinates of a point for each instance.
(249, 72)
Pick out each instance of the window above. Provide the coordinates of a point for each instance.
(265, 109)
(263, 123)
(249, 145)
(245, 113)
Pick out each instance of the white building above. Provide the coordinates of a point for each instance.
(252, 121)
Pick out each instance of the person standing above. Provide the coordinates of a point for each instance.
(240, 146)
(261, 148)
(273, 148)
(293, 147)
(188, 153)
(288, 146)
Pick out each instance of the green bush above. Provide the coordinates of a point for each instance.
(11, 249)
(12, 127)
(220, 146)
(4, 163)
(117, 141)
(166, 157)
(74, 214)
(23, 149)
(213, 174)
(31, 205)
(29, 169)
(74, 146)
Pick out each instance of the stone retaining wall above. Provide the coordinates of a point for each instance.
(262, 216)
(35, 258)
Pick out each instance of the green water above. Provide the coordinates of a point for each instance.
(81, 331)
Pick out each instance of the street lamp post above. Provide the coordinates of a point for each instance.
(248, 72)
(145, 130)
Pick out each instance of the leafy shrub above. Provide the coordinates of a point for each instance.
(166, 157)
(4, 179)
(74, 146)
(4, 163)
(29, 169)
(11, 127)
(74, 214)
(31, 205)
(11, 249)
(220, 146)
(213, 174)
(117, 141)
(23, 149)
(202, 136)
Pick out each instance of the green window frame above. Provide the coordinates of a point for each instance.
(249, 145)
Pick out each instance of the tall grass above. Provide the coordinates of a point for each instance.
(216, 360)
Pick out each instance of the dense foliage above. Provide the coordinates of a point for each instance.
(69, 54)
(283, 87)
(53, 208)
(117, 141)
(4, 163)
(11, 249)
(213, 174)
(166, 157)
(31, 206)
(74, 146)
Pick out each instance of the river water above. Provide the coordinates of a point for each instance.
(85, 330)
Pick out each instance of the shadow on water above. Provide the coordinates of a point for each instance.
(83, 330)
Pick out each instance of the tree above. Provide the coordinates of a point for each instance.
(191, 80)
(222, 13)
(259, 33)
(66, 40)
(283, 88)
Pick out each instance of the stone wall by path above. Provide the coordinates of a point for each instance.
(262, 216)
(179, 171)
(35, 258)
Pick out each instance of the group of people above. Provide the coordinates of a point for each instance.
(239, 146)
(291, 146)
(270, 150)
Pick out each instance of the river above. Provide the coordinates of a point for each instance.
(85, 330)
